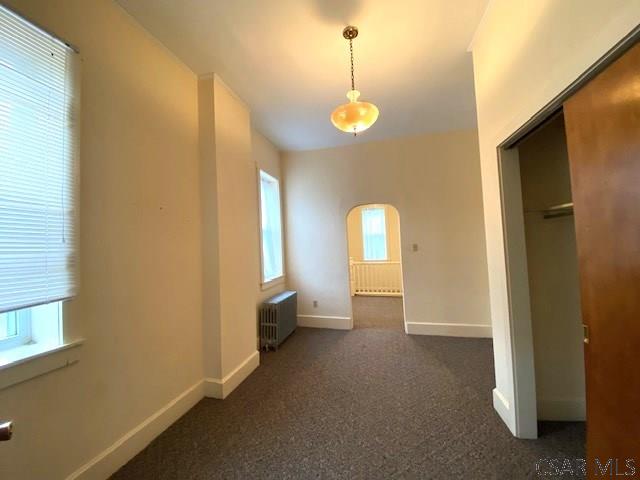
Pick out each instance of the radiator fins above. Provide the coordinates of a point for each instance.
(278, 319)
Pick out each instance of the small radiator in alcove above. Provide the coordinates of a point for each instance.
(278, 319)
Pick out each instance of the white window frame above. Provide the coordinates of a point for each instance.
(268, 282)
(23, 327)
(39, 325)
(384, 230)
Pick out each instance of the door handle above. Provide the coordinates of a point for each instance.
(6, 431)
(585, 333)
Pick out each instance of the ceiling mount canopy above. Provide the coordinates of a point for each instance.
(355, 116)
(350, 32)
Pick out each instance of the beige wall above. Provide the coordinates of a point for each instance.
(169, 204)
(208, 183)
(354, 233)
(433, 181)
(525, 53)
(237, 231)
(139, 305)
(231, 248)
(554, 290)
(266, 155)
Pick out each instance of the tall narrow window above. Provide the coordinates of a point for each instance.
(374, 234)
(37, 176)
(271, 226)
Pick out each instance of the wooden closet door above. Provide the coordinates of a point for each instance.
(603, 135)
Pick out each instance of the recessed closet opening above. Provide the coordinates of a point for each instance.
(552, 261)
(543, 276)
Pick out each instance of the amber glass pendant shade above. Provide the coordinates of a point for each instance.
(355, 116)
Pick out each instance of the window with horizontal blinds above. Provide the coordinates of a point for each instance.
(38, 165)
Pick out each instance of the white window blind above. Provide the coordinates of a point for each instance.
(374, 234)
(38, 145)
(271, 225)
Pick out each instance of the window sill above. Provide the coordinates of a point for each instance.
(272, 283)
(29, 361)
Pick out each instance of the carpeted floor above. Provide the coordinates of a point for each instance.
(377, 312)
(371, 403)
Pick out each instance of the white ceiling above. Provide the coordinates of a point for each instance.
(288, 61)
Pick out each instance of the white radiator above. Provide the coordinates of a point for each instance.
(376, 278)
(278, 319)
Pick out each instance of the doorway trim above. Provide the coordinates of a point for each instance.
(555, 104)
(348, 259)
(520, 328)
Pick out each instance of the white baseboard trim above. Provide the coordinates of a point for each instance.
(378, 294)
(221, 388)
(318, 321)
(562, 410)
(135, 440)
(107, 462)
(449, 329)
(502, 406)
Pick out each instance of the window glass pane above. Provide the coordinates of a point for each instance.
(41, 324)
(8, 325)
(271, 227)
(374, 234)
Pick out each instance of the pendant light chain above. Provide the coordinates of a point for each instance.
(353, 82)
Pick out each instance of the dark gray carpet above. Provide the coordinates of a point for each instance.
(377, 312)
(367, 403)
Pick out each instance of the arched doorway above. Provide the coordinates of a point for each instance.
(375, 267)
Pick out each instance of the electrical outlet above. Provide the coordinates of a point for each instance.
(414, 247)
(315, 304)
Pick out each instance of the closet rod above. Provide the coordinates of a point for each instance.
(562, 210)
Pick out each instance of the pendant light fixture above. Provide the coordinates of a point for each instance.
(355, 116)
